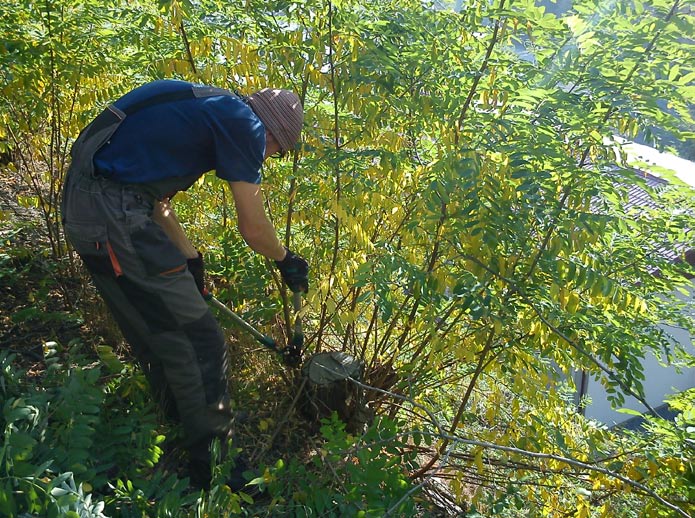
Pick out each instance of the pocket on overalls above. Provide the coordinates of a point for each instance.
(159, 255)
(91, 242)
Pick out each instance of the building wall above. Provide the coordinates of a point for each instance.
(659, 380)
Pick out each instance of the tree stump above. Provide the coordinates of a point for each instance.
(327, 388)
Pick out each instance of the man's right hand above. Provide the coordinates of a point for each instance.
(295, 272)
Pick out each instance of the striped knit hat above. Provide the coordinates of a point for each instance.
(281, 113)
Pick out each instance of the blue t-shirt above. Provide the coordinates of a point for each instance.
(183, 138)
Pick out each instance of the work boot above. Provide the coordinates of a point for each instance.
(200, 473)
(200, 469)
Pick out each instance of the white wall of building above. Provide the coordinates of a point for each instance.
(659, 380)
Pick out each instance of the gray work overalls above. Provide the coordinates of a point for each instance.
(144, 280)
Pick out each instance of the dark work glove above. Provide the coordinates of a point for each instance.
(197, 269)
(295, 271)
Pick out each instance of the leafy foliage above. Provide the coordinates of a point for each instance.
(49, 438)
(372, 480)
(461, 197)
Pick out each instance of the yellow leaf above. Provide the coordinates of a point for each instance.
(554, 290)
(479, 460)
(572, 303)
(491, 414)
(264, 424)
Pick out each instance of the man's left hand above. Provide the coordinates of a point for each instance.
(197, 268)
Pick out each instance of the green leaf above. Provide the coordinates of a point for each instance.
(22, 444)
(246, 498)
(8, 504)
(59, 491)
(628, 411)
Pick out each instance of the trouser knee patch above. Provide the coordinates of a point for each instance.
(150, 305)
(209, 346)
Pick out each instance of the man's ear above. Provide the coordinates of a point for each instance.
(271, 145)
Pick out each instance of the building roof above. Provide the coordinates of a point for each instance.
(640, 197)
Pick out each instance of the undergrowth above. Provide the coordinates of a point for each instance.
(83, 441)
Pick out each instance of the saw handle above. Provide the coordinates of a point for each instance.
(264, 340)
(297, 303)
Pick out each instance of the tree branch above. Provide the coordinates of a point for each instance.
(479, 75)
(187, 47)
(452, 439)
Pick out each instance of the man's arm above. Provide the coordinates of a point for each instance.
(253, 222)
(165, 216)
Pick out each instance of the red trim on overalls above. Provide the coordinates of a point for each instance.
(114, 260)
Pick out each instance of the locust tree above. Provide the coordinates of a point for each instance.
(460, 195)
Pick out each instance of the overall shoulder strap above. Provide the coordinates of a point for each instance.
(189, 93)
